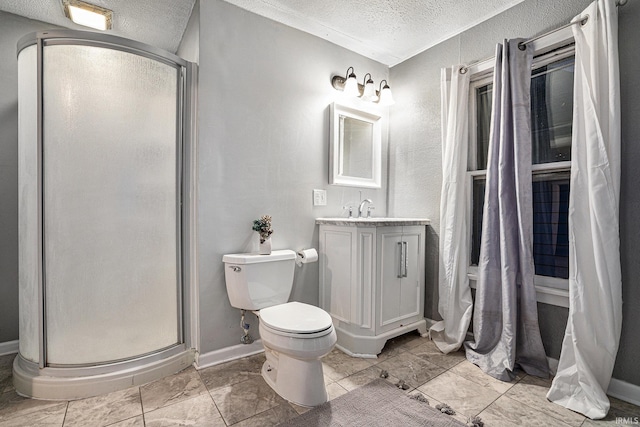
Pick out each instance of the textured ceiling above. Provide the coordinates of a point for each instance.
(389, 31)
(159, 23)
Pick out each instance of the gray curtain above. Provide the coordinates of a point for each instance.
(505, 320)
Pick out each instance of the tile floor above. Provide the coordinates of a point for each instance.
(234, 394)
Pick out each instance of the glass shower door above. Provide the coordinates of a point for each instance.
(111, 205)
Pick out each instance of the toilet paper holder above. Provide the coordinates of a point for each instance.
(306, 256)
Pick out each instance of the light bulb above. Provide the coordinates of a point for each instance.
(351, 86)
(369, 93)
(386, 98)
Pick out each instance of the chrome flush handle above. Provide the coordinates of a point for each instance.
(235, 268)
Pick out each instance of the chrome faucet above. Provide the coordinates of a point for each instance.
(361, 207)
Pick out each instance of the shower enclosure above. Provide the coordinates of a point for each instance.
(103, 138)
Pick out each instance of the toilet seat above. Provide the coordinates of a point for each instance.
(296, 319)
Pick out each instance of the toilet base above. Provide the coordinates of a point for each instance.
(298, 381)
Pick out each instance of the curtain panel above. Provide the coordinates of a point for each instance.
(505, 318)
(455, 303)
(595, 286)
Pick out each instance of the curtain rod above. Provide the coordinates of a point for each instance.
(522, 45)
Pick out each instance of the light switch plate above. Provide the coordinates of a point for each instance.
(319, 197)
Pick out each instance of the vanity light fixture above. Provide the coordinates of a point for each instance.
(88, 15)
(352, 88)
(369, 92)
(386, 98)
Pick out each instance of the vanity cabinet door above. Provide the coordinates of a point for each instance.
(338, 270)
(400, 276)
(347, 275)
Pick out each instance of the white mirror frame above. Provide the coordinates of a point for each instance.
(336, 146)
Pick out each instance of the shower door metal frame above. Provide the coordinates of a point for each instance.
(185, 203)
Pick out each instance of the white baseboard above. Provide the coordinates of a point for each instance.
(624, 391)
(8, 347)
(227, 354)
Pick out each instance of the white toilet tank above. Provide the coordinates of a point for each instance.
(258, 281)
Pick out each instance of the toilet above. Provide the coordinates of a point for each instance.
(294, 335)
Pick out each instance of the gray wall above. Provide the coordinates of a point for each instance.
(264, 96)
(415, 171)
(12, 28)
(189, 48)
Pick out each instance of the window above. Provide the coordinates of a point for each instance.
(551, 121)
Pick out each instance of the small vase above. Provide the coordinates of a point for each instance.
(265, 248)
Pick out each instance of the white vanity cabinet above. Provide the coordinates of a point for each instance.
(372, 279)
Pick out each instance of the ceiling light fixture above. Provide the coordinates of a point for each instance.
(88, 15)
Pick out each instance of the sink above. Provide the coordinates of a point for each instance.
(372, 221)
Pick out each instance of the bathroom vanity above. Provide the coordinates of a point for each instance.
(372, 279)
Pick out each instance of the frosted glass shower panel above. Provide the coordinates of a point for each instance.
(110, 205)
(29, 251)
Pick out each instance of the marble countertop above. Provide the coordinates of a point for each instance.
(372, 222)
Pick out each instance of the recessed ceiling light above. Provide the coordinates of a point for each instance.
(88, 15)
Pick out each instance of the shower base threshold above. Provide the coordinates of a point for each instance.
(78, 383)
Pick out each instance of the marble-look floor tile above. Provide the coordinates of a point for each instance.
(6, 373)
(473, 373)
(622, 406)
(506, 412)
(532, 391)
(462, 395)
(6, 360)
(300, 409)
(51, 415)
(105, 409)
(615, 417)
(171, 389)
(14, 406)
(270, 417)
(337, 365)
(233, 372)
(390, 350)
(411, 369)
(363, 377)
(130, 422)
(327, 380)
(243, 400)
(6, 381)
(335, 390)
(428, 351)
(388, 354)
(407, 341)
(196, 411)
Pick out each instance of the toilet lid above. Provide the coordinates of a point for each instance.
(295, 317)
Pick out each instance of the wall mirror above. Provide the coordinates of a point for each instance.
(355, 147)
